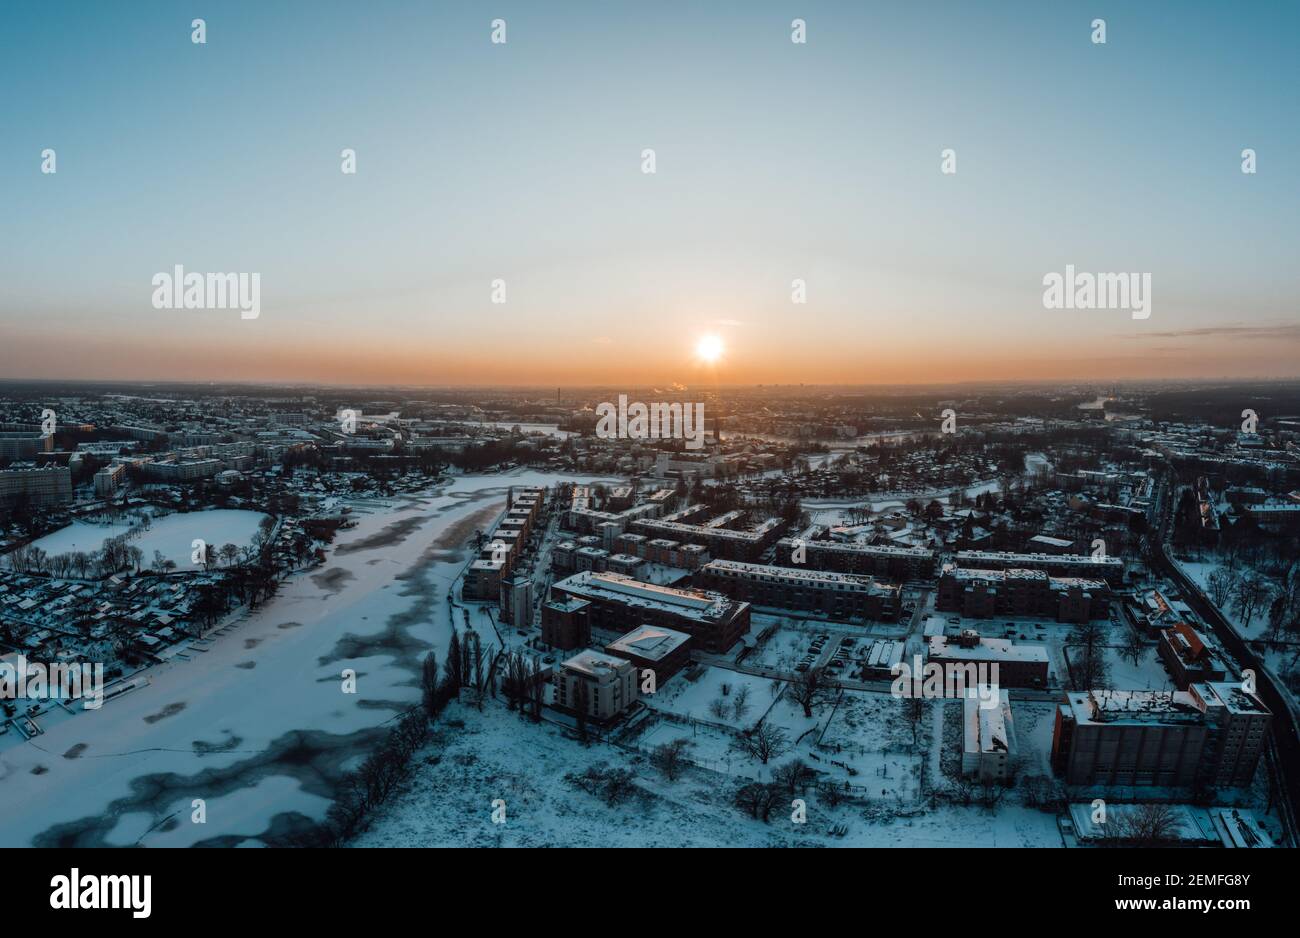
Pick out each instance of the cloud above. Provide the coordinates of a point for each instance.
(1282, 332)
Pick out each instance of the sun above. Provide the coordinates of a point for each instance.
(709, 349)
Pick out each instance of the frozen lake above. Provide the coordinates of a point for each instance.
(171, 534)
(258, 726)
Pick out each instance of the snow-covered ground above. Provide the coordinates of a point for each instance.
(1144, 674)
(833, 511)
(693, 699)
(172, 535)
(1280, 660)
(258, 726)
(494, 755)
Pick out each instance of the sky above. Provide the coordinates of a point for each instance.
(522, 162)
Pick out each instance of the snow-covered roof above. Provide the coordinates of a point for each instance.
(650, 642)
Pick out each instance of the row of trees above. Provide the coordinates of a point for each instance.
(384, 770)
(760, 799)
(373, 783)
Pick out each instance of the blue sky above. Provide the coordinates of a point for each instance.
(522, 161)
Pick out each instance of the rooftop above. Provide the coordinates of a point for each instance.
(596, 663)
(651, 642)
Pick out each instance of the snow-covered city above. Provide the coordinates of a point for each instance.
(797, 430)
(615, 640)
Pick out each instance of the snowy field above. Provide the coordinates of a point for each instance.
(172, 534)
(834, 511)
(1145, 674)
(258, 726)
(868, 742)
(496, 755)
(746, 697)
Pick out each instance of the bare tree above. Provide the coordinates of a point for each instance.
(763, 742)
(670, 758)
(516, 677)
(914, 708)
(429, 684)
(1088, 663)
(477, 656)
(1250, 593)
(1133, 647)
(808, 690)
(758, 799)
(832, 794)
(794, 776)
(453, 665)
(740, 703)
(1220, 585)
(1147, 825)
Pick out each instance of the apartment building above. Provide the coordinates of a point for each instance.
(20, 445)
(618, 603)
(565, 624)
(584, 519)
(971, 653)
(1110, 569)
(45, 487)
(836, 595)
(604, 686)
(1211, 734)
(182, 470)
(690, 526)
(517, 602)
(896, 563)
(109, 480)
(664, 551)
(986, 594)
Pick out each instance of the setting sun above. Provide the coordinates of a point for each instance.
(709, 349)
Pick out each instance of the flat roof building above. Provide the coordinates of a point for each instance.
(989, 739)
(1110, 569)
(1189, 657)
(1211, 734)
(605, 687)
(899, 563)
(1017, 665)
(663, 651)
(985, 594)
(46, 487)
(618, 602)
(838, 595)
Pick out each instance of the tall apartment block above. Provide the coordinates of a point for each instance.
(1211, 734)
(46, 487)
